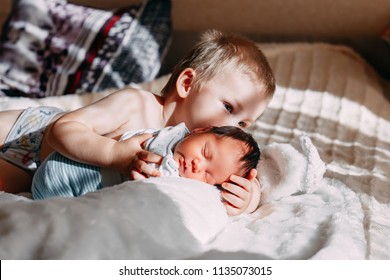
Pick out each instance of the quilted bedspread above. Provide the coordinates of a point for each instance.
(331, 94)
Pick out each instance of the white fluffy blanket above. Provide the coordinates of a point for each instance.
(325, 92)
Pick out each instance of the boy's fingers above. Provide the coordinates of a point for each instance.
(135, 175)
(241, 181)
(232, 199)
(244, 182)
(252, 174)
(143, 167)
(149, 157)
(235, 189)
(231, 210)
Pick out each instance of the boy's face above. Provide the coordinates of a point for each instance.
(208, 158)
(230, 98)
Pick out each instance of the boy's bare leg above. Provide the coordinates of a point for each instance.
(7, 120)
(13, 179)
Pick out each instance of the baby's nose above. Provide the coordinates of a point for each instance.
(196, 167)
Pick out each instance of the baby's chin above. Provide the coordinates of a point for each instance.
(181, 174)
(187, 175)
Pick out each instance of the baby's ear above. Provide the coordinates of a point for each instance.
(200, 129)
(184, 82)
(197, 130)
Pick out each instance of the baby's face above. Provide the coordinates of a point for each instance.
(229, 98)
(208, 158)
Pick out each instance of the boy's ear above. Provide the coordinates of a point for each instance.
(184, 82)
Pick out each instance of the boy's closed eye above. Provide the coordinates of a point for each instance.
(228, 107)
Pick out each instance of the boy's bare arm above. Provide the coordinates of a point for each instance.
(90, 134)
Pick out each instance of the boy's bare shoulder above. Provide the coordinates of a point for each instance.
(142, 107)
(136, 95)
(133, 93)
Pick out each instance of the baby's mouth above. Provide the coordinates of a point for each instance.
(182, 165)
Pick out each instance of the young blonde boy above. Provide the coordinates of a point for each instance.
(224, 80)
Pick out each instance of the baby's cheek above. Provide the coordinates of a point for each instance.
(196, 176)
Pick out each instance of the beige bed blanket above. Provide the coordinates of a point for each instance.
(332, 95)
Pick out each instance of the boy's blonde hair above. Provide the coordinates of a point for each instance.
(216, 51)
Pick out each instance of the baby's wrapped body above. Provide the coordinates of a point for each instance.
(61, 176)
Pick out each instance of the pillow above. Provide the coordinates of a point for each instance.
(51, 47)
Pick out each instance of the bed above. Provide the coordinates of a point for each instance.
(325, 139)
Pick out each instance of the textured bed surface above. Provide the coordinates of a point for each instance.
(334, 97)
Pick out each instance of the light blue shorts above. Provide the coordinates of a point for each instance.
(61, 176)
(23, 143)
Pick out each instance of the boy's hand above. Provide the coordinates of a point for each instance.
(241, 195)
(140, 167)
(131, 159)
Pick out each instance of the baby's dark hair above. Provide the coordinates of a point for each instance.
(252, 153)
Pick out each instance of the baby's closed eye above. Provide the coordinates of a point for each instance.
(206, 151)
